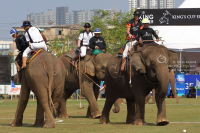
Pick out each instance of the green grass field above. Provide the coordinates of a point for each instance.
(185, 115)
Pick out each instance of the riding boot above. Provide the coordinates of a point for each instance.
(24, 62)
(74, 59)
(123, 64)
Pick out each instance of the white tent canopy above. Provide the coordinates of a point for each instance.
(190, 4)
(181, 37)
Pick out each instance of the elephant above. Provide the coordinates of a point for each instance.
(45, 76)
(149, 69)
(95, 71)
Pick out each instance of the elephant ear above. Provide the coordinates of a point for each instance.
(138, 62)
(89, 67)
(173, 59)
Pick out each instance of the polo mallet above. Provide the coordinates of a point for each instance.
(152, 40)
(130, 84)
(79, 63)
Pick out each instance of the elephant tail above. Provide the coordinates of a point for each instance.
(50, 77)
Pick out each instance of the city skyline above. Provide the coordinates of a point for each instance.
(18, 10)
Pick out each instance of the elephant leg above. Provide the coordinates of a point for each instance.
(57, 96)
(106, 110)
(140, 109)
(90, 96)
(62, 109)
(147, 98)
(130, 111)
(96, 94)
(161, 116)
(39, 122)
(22, 103)
(117, 103)
(44, 100)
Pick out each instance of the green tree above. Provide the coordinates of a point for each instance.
(113, 28)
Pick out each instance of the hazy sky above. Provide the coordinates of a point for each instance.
(13, 12)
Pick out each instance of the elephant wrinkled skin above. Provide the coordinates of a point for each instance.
(45, 76)
(152, 65)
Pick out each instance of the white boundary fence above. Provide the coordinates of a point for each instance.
(7, 89)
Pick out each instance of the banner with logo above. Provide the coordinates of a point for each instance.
(179, 16)
(180, 83)
(191, 80)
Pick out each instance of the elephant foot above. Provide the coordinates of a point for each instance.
(63, 116)
(49, 125)
(130, 121)
(139, 122)
(115, 110)
(88, 116)
(38, 124)
(16, 124)
(103, 120)
(96, 114)
(162, 122)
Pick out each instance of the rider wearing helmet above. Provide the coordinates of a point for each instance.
(83, 41)
(132, 28)
(97, 43)
(36, 38)
(146, 34)
(133, 25)
(21, 45)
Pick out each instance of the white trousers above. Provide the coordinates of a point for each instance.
(83, 51)
(34, 46)
(127, 48)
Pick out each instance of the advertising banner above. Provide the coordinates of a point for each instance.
(183, 16)
(180, 84)
(190, 80)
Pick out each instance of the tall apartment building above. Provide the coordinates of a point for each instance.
(61, 15)
(47, 18)
(151, 4)
(78, 17)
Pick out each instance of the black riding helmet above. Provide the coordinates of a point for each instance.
(137, 13)
(87, 25)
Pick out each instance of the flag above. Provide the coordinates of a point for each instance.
(197, 87)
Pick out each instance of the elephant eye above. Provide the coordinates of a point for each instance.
(103, 67)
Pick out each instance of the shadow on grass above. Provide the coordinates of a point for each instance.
(124, 123)
(77, 116)
(23, 125)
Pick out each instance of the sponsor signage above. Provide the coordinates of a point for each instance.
(182, 16)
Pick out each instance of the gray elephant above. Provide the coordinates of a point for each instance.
(149, 70)
(92, 67)
(45, 76)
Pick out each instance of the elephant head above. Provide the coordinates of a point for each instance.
(154, 61)
(97, 66)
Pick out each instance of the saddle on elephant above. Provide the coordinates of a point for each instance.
(86, 62)
(33, 55)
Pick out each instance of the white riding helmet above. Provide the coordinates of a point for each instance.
(145, 21)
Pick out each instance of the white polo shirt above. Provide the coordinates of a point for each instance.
(34, 34)
(86, 37)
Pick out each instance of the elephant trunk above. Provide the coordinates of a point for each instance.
(162, 74)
